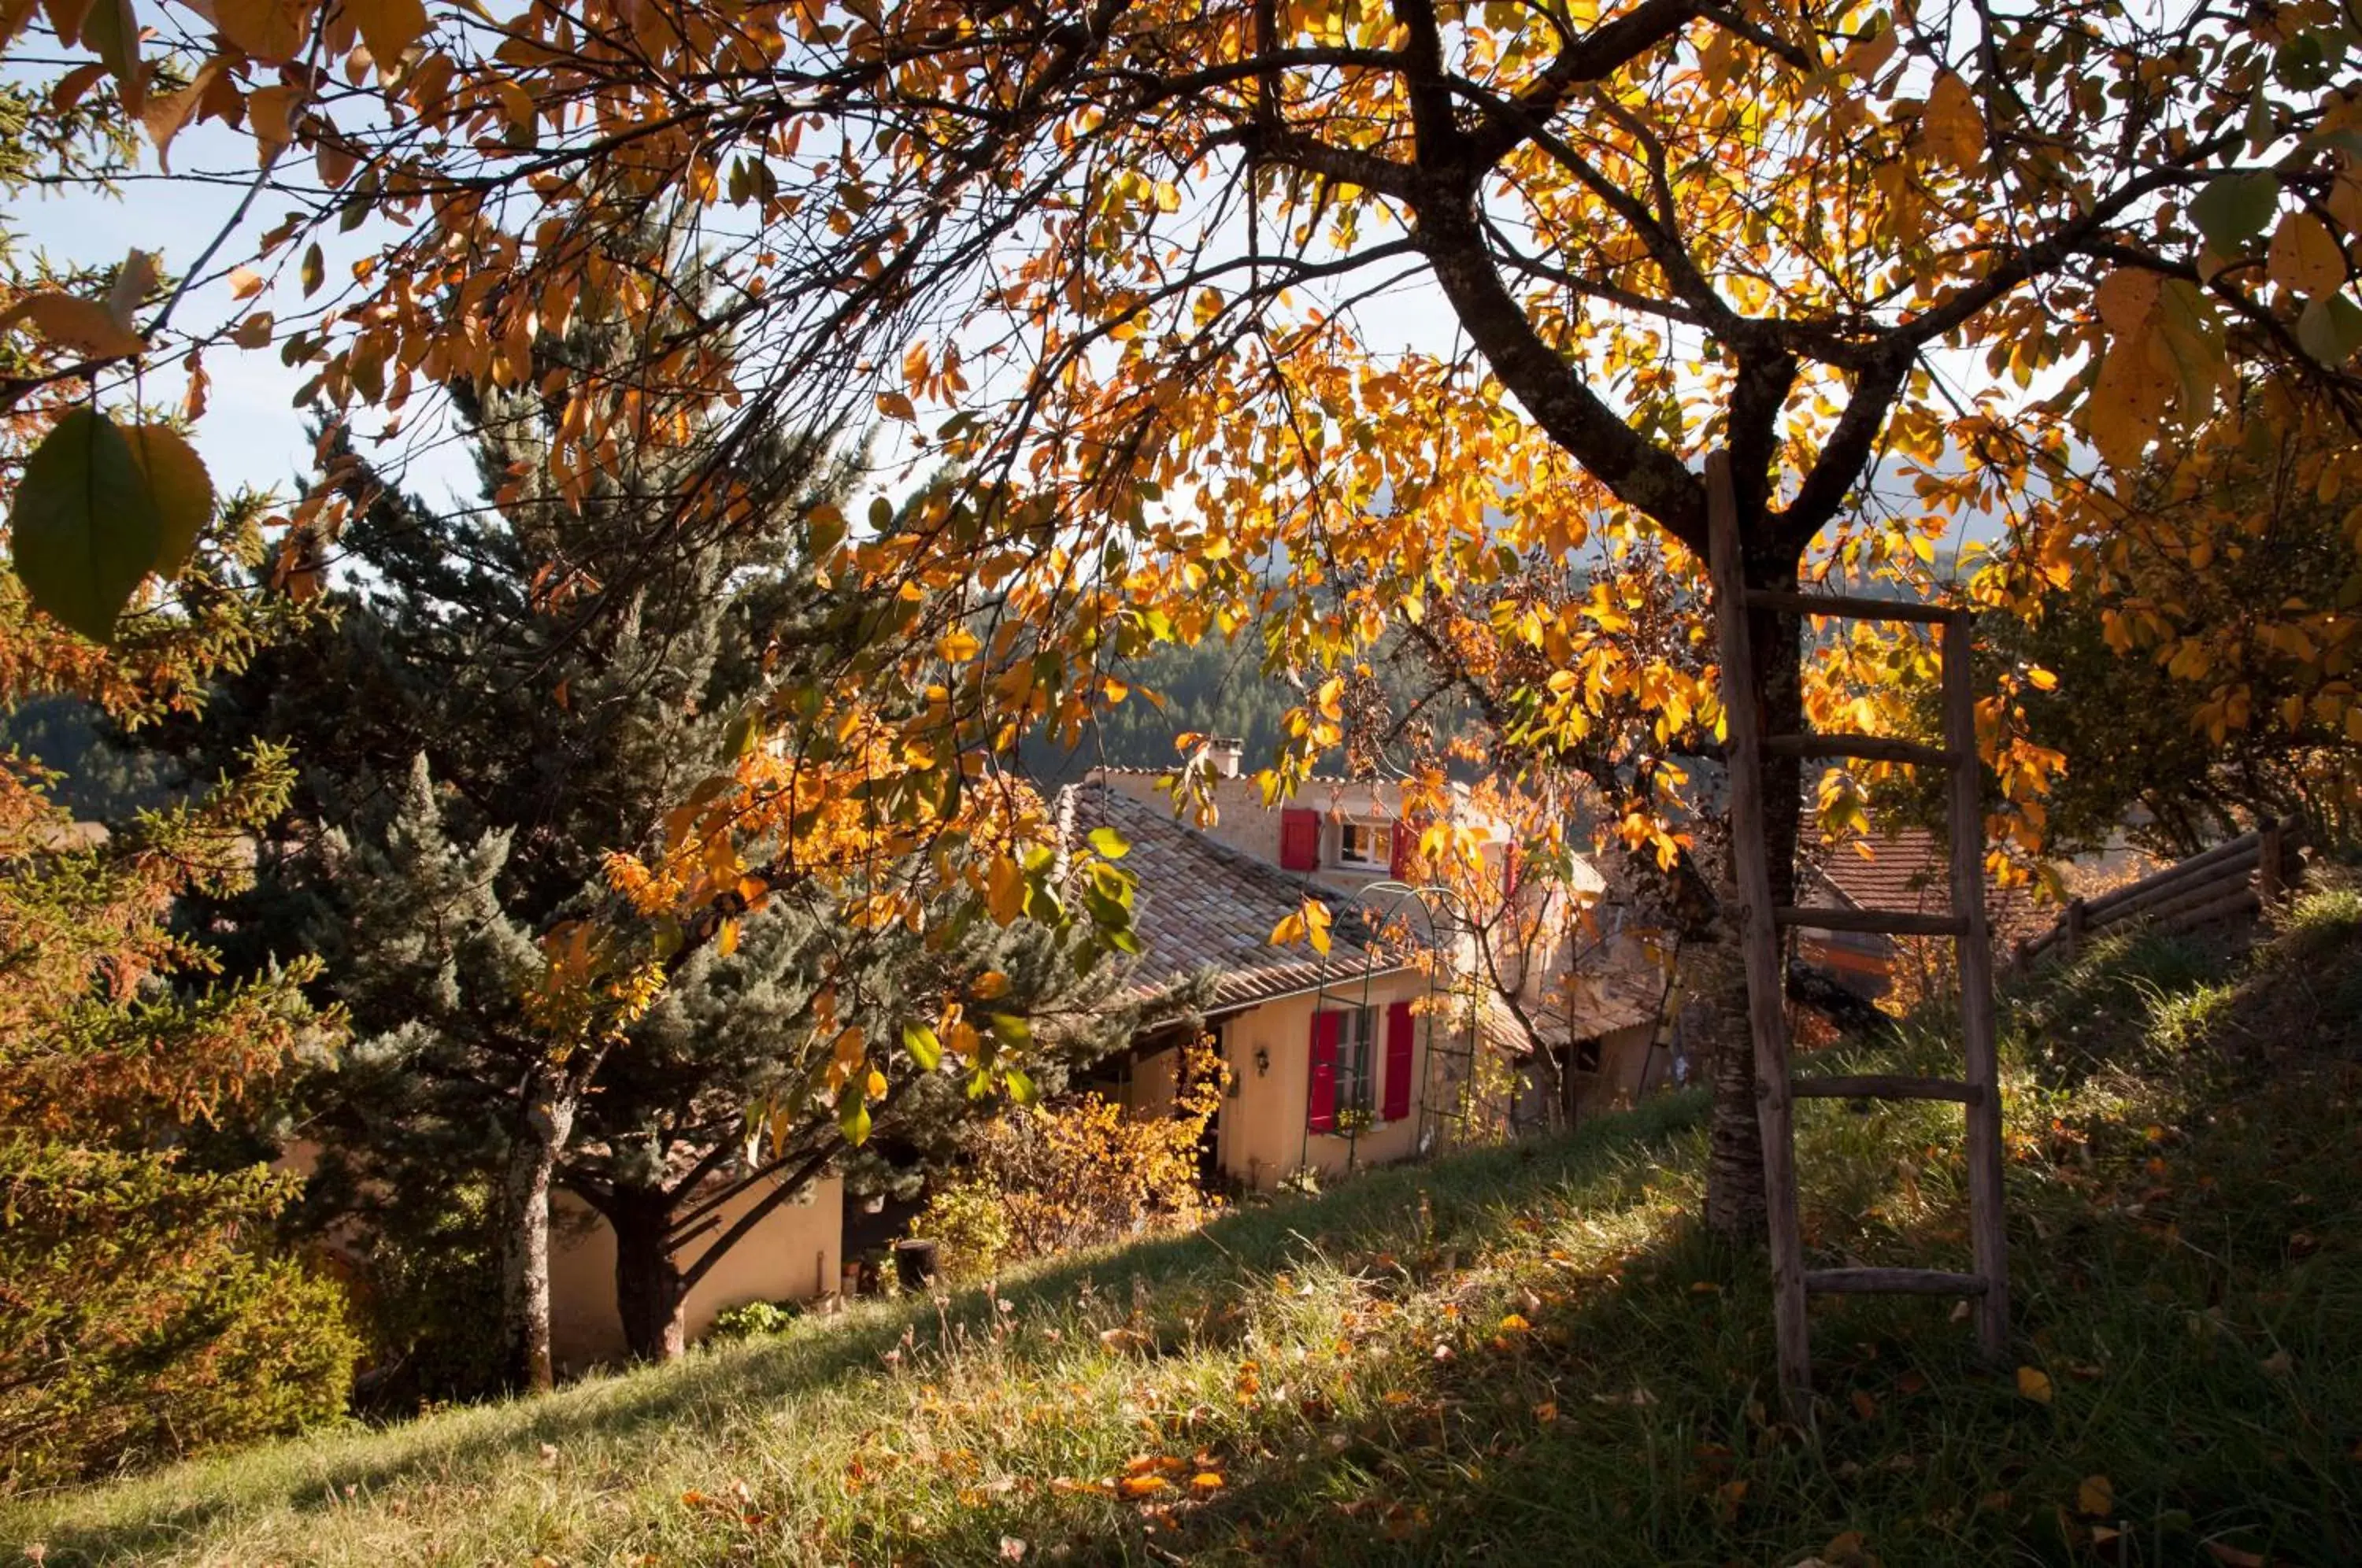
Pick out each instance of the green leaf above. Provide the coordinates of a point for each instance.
(1010, 1030)
(2330, 329)
(84, 530)
(745, 732)
(924, 1048)
(1021, 1088)
(853, 1116)
(180, 488)
(2234, 208)
(1108, 844)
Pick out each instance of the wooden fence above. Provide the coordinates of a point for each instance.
(2237, 877)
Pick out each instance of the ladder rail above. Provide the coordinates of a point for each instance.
(1766, 996)
(1988, 1225)
(1761, 924)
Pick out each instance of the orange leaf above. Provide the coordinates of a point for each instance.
(2034, 1384)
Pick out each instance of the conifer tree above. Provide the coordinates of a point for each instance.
(488, 723)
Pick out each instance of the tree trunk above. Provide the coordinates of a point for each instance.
(1734, 1190)
(547, 1123)
(650, 1294)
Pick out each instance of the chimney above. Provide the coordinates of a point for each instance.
(1224, 752)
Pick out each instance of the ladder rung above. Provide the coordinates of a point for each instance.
(1847, 606)
(1889, 923)
(1892, 1281)
(1885, 1086)
(1866, 748)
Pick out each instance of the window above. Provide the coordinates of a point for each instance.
(1357, 1062)
(1365, 844)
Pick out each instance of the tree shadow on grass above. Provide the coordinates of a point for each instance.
(1472, 1197)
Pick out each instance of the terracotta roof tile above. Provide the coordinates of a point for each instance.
(1204, 907)
(1908, 871)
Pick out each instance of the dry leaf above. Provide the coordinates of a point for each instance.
(2096, 1498)
(2034, 1384)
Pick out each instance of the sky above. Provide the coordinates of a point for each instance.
(253, 434)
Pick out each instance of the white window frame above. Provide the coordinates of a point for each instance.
(1358, 1062)
(1346, 854)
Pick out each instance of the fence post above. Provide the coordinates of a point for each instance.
(2268, 865)
(2070, 934)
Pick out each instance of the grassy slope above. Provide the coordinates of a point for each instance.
(1515, 1356)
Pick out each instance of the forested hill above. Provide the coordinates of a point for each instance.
(1214, 689)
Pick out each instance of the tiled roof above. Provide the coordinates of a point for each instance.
(1602, 1002)
(1203, 908)
(1909, 871)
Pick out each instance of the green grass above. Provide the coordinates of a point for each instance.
(1520, 1355)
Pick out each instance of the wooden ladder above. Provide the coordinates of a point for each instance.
(1776, 1090)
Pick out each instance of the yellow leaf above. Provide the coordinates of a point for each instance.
(165, 115)
(894, 406)
(727, 939)
(81, 327)
(270, 31)
(2041, 680)
(2096, 1498)
(1955, 129)
(270, 113)
(1141, 1485)
(2306, 257)
(1205, 1482)
(1316, 922)
(245, 282)
(2125, 299)
(389, 26)
(2034, 1384)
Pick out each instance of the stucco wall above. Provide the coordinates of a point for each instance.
(793, 1254)
(1244, 823)
(1259, 1137)
(1623, 1068)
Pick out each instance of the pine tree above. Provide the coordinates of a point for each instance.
(514, 692)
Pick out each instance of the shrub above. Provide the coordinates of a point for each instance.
(141, 1326)
(1080, 1172)
(750, 1319)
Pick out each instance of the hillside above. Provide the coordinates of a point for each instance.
(1514, 1356)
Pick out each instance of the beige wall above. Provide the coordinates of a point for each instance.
(1244, 823)
(793, 1254)
(1260, 1136)
(1622, 1063)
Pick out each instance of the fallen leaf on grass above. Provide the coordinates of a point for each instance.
(2232, 1557)
(2279, 1363)
(1011, 1548)
(2096, 1498)
(2034, 1384)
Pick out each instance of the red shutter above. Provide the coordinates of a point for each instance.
(1399, 1041)
(1300, 839)
(1399, 841)
(1321, 1101)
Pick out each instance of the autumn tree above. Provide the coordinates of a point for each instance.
(1137, 263)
